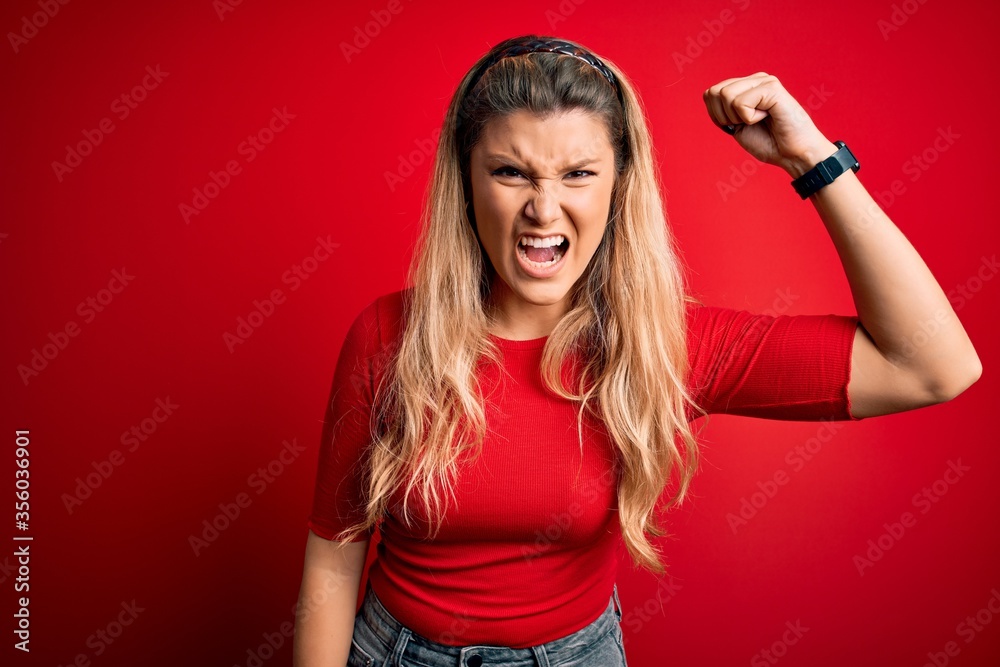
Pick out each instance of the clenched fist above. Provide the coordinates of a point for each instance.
(768, 122)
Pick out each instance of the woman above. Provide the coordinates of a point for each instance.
(514, 418)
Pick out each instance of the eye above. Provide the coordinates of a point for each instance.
(506, 171)
(511, 172)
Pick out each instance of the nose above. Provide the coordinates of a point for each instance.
(543, 207)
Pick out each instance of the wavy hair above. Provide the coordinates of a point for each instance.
(626, 320)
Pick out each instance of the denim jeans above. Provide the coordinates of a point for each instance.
(382, 641)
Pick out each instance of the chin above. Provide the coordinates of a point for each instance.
(543, 296)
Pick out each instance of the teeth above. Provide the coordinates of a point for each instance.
(547, 242)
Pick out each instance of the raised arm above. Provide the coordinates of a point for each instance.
(910, 349)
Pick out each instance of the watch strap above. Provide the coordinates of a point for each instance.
(826, 171)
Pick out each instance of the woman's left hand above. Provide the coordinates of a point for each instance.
(769, 123)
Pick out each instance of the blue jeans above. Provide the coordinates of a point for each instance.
(382, 641)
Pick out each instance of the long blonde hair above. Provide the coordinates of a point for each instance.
(627, 315)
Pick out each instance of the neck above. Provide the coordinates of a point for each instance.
(516, 319)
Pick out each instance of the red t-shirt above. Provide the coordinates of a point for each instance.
(530, 546)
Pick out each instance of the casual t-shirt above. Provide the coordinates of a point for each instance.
(530, 545)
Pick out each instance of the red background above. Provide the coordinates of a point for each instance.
(324, 176)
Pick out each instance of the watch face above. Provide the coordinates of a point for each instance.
(846, 157)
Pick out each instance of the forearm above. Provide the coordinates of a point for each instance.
(324, 617)
(900, 304)
(916, 352)
(324, 621)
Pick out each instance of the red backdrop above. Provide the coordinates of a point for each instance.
(199, 197)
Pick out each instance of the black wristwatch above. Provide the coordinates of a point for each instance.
(826, 171)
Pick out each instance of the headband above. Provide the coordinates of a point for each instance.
(533, 44)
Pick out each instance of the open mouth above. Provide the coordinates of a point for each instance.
(542, 253)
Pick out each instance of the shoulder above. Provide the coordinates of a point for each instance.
(702, 320)
(711, 325)
(380, 323)
(716, 334)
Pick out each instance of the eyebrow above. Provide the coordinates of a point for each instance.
(501, 157)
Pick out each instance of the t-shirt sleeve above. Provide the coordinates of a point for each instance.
(790, 367)
(338, 499)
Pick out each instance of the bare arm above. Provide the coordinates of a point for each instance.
(324, 620)
(910, 350)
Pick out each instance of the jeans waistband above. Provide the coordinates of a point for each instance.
(379, 619)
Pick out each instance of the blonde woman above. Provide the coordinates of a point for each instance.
(511, 421)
